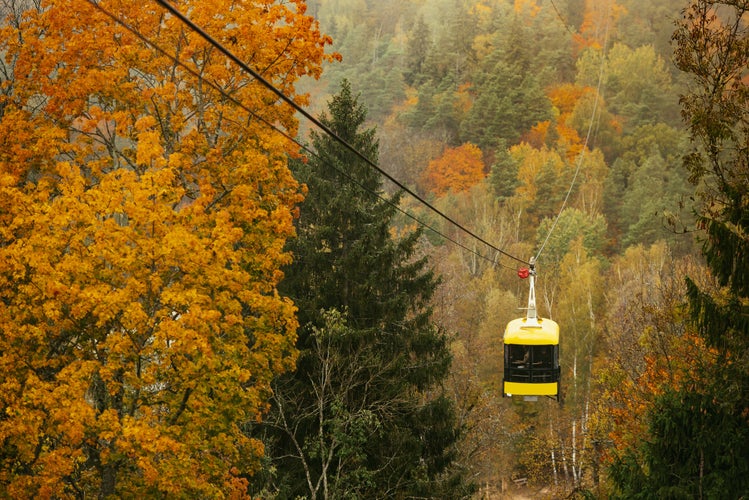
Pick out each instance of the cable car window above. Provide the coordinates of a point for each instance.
(519, 355)
(542, 356)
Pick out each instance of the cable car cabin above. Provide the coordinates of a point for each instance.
(531, 350)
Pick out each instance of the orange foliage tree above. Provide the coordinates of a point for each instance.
(565, 98)
(457, 170)
(563, 136)
(599, 22)
(142, 223)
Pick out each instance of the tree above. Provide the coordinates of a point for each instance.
(712, 44)
(363, 416)
(712, 50)
(571, 225)
(457, 170)
(419, 45)
(649, 173)
(656, 190)
(404, 153)
(599, 22)
(649, 345)
(713, 465)
(639, 86)
(540, 174)
(142, 225)
(648, 23)
(509, 97)
(452, 56)
(507, 104)
(504, 174)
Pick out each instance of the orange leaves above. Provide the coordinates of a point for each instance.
(143, 219)
(457, 170)
(651, 348)
(565, 97)
(666, 369)
(538, 134)
(600, 19)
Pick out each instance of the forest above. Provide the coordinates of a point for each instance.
(268, 249)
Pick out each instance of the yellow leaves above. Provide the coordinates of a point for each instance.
(150, 151)
(142, 433)
(143, 221)
(532, 162)
(108, 425)
(176, 161)
(145, 123)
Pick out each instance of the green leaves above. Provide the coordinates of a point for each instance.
(347, 423)
(696, 446)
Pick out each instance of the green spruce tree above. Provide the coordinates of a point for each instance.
(509, 94)
(363, 416)
(417, 50)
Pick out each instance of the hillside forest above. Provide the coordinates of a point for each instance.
(487, 109)
(210, 291)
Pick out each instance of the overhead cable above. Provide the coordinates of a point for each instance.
(324, 128)
(587, 139)
(559, 15)
(272, 126)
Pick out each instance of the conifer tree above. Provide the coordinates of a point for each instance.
(363, 416)
(510, 97)
(419, 45)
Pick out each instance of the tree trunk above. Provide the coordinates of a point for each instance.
(108, 480)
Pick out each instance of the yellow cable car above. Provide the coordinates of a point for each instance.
(531, 354)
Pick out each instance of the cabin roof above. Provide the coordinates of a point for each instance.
(532, 332)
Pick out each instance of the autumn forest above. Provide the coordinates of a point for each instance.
(268, 249)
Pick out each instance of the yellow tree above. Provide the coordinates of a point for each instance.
(142, 222)
(540, 174)
(579, 310)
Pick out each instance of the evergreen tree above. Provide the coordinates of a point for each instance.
(363, 416)
(509, 95)
(718, 117)
(647, 187)
(504, 173)
(452, 53)
(507, 105)
(419, 45)
(639, 87)
(696, 448)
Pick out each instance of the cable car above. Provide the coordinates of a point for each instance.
(531, 353)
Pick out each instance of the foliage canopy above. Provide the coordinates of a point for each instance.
(143, 218)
